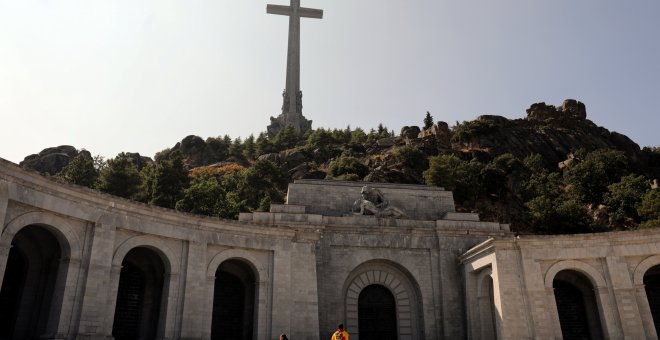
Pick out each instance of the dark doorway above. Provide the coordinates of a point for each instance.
(233, 302)
(652, 286)
(139, 295)
(377, 314)
(29, 283)
(576, 306)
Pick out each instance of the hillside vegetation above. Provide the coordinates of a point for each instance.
(553, 171)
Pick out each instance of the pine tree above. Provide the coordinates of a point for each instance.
(428, 121)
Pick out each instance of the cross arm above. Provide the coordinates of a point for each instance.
(302, 11)
(311, 13)
(278, 9)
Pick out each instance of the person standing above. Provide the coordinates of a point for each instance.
(340, 333)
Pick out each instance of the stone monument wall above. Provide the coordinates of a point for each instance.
(336, 198)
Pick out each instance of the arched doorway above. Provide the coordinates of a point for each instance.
(652, 287)
(377, 314)
(29, 284)
(233, 301)
(576, 306)
(139, 295)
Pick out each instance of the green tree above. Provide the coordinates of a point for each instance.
(649, 209)
(347, 168)
(411, 157)
(552, 210)
(428, 120)
(249, 147)
(500, 175)
(625, 197)
(287, 138)
(263, 145)
(120, 177)
(80, 171)
(589, 178)
(214, 191)
(263, 179)
(358, 136)
(170, 181)
(205, 196)
(457, 175)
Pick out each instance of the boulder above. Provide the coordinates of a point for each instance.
(541, 112)
(437, 136)
(291, 158)
(574, 109)
(51, 161)
(410, 132)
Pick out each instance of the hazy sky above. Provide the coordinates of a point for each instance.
(138, 76)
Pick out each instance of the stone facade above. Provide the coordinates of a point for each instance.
(523, 270)
(304, 266)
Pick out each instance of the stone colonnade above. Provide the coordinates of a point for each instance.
(525, 272)
(95, 232)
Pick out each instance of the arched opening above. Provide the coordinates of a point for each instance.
(652, 287)
(487, 309)
(576, 306)
(377, 314)
(139, 295)
(29, 284)
(233, 301)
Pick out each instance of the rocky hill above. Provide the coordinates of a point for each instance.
(553, 132)
(482, 160)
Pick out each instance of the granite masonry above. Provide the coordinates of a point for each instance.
(79, 264)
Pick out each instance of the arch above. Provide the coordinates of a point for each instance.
(59, 226)
(248, 257)
(40, 274)
(234, 300)
(263, 296)
(643, 267)
(399, 282)
(377, 313)
(169, 257)
(141, 294)
(577, 305)
(587, 270)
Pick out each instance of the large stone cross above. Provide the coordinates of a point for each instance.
(292, 96)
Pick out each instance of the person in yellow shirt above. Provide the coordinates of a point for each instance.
(340, 333)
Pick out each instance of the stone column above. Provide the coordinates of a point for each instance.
(195, 294)
(282, 294)
(606, 310)
(303, 282)
(97, 293)
(169, 306)
(207, 315)
(111, 299)
(645, 312)
(512, 313)
(624, 297)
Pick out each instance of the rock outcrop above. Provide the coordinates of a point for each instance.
(51, 161)
(553, 132)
